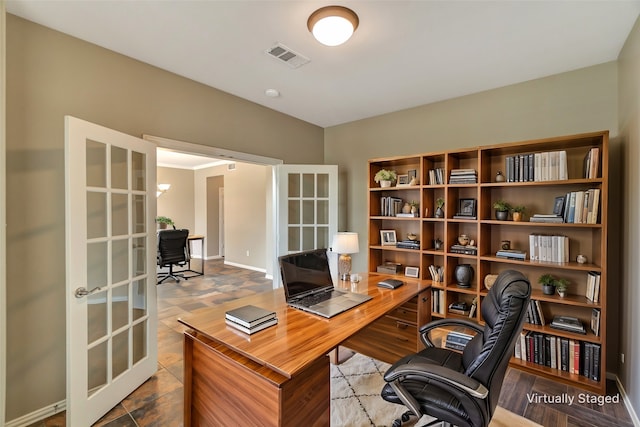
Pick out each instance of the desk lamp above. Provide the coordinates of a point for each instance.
(345, 243)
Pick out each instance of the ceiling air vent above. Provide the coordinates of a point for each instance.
(286, 55)
(231, 166)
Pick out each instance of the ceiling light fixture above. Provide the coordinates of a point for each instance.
(333, 25)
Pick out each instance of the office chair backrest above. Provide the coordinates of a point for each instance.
(487, 355)
(172, 246)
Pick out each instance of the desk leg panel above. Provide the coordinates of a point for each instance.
(222, 392)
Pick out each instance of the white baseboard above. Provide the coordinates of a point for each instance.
(248, 267)
(625, 399)
(213, 257)
(39, 415)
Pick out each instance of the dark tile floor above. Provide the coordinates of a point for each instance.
(159, 401)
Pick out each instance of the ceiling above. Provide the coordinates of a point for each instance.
(403, 54)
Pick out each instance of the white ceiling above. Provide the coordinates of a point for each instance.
(404, 53)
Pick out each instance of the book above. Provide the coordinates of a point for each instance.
(595, 321)
(249, 315)
(568, 323)
(253, 329)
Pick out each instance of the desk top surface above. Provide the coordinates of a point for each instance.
(300, 338)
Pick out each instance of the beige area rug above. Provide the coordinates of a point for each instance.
(356, 401)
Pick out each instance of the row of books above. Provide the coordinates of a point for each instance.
(565, 354)
(545, 166)
(390, 206)
(408, 244)
(436, 176)
(463, 249)
(437, 301)
(591, 163)
(250, 319)
(534, 314)
(582, 207)
(548, 248)
(593, 286)
(437, 273)
(463, 176)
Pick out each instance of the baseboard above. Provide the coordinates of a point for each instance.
(39, 415)
(625, 399)
(209, 258)
(247, 267)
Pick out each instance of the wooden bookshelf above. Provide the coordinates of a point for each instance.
(488, 233)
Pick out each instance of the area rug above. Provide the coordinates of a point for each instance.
(356, 401)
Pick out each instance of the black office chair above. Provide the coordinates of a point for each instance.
(463, 388)
(172, 250)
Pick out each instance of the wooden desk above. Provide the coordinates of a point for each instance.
(278, 376)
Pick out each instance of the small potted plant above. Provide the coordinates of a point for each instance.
(502, 210)
(385, 177)
(163, 222)
(561, 286)
(518, 212)
(415, 207)
(548, 284)
(439, 213)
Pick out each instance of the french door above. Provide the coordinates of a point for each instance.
(110, 189)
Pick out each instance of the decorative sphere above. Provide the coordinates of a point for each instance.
(581, 259)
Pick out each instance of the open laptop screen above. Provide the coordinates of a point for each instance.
(303, 272)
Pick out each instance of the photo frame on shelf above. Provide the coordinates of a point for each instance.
(467, 208)
(403, 180)
(558, 206)
(412, 271)
(388, 237)
(413, 176)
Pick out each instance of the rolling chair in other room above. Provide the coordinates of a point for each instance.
(463, 388)
(172, 250)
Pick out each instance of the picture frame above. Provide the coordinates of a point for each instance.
(412, 272)
(558, 206)
(413, 176)
(403, 180)
(467, 208)
(388, 237)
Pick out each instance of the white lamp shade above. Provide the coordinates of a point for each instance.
(345, 243)
(333, 25)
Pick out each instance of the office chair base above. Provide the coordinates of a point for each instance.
(175, 277)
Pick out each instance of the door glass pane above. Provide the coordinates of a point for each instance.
(322, 234)
(308, 238)
(96, 265)
(294, 212)
(139, 256)
(138, 214)
(96, 316)
(119, 260)
(96, 214)
(294, 239)
(120, 307)
(308, 185)
(119, 217)
(322, 212)
(138, 171)
(308, 212)
(323, 185)
(118, 168)
(120, 353)
(139, 299)
(139, 341)
(97, 364)
(294, 185)
(96, 164)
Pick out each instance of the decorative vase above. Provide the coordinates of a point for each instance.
(463, 239)
(438, 213)
(562, 293)
(406, 208)
(548, 289)
(437, 244)
(385, 184)
(463, 274)
(517, 216)
(414, 210)
(502, 215)
(499, 177)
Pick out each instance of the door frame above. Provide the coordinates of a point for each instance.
(3, 210)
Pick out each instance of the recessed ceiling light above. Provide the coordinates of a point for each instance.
(272, 93)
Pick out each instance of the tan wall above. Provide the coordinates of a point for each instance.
(629, 117)
(50, 75)
(177, 202)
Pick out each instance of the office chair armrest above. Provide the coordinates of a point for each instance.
(437, 374)
(465, 323)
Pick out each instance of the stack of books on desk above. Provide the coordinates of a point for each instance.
(250, 319)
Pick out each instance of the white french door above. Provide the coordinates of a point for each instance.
(110, 189)
(307, 209)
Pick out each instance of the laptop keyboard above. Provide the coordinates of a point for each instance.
(314, 299)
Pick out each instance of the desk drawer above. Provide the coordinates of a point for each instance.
(386, 339)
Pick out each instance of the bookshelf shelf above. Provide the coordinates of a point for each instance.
(584, 171)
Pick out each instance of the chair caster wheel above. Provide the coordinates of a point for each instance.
(397, 423)
(405, 417)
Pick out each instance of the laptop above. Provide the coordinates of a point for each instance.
(308, 285)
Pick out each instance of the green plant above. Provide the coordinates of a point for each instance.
(546, 280)
(439, 202)
(414, 204)
(164, 220)
(385, 175)
(561, 285)
(501, 206)
(519, 208)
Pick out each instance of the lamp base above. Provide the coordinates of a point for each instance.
(344, 266)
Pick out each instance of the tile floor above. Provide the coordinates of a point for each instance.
(159, 401)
